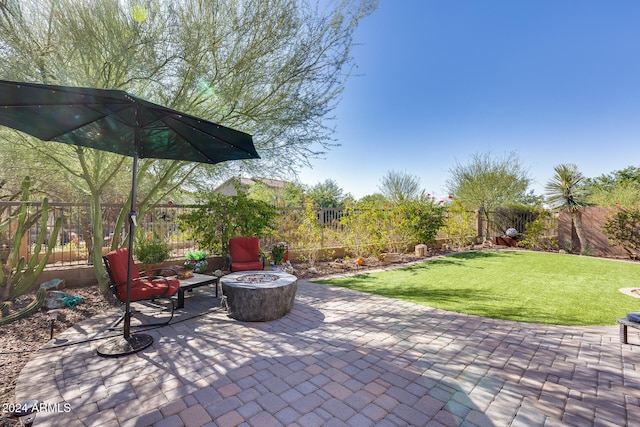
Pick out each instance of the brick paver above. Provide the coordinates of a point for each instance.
(340, 358)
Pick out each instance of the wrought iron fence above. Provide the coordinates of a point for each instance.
(73, 242)
(75, 239)
(501, 220)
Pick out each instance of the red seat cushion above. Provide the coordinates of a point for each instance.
(246, 266)
(141, 288)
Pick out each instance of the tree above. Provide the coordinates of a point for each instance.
(619, 188)
(375, 199)
(259, 191)
(272, 68)
(289, 195)
(566, 192)
(399, 186)
(221, 217)
(293, 194)
(327, 194)
(487, 182)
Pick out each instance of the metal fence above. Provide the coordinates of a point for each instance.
(73, 242)
(501, 220)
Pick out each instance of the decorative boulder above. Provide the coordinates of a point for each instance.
(53, 284)
(339, 263)
(390, 257)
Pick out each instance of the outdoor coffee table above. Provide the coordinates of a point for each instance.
(195, 281)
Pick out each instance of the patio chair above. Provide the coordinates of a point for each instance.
(244, 254)
(143, 287)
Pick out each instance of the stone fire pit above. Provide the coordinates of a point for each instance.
(259, 296)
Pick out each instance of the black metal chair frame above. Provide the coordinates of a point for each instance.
(114, 288)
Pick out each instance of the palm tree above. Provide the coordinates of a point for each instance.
(566, 191)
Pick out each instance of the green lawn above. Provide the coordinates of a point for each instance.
(532, 287)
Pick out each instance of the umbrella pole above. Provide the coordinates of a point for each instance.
(132, 229)
(128, 343)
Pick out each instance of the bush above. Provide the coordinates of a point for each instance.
(308, 236)
(623, 228)
(361, 228)
(420, 220)
(151, 250)
(459, 225)
(536, 234)
(221, 217)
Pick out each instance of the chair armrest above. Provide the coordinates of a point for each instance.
(229, 263)
(262, 258)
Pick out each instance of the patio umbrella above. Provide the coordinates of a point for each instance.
(116, 121)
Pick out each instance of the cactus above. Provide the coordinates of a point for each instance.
(28, 310)
(19, 275)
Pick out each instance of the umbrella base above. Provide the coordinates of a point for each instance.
(121, 346)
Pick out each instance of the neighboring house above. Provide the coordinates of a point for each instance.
(228, 188)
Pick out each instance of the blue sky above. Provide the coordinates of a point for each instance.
(556, 81)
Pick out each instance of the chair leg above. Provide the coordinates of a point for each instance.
(173, 307)
(623, 334)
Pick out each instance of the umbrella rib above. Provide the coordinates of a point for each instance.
(79, 125)
(207, 133)
(211, 136)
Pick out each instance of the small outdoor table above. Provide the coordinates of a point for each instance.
(195, 281)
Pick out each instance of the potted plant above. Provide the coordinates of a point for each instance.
(151, 251)
(196, 260)
(277, 254)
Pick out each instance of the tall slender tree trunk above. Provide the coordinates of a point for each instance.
(576, 217)
(96, 249)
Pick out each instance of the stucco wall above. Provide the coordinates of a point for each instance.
(592, 219)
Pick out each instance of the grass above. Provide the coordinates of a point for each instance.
(523, 286)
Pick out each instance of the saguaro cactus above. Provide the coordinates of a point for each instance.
(18, 275)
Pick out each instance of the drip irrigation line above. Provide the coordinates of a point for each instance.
(85, 341)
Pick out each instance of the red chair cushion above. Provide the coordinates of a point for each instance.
(246, 266)
(244, 249)
(142, 288)
(118, 263)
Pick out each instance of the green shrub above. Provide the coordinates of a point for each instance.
(418, 220)
(308, 238)
(361, 228)
(459, 225)
(151, 249)
(277, 253)
(623, 228)
(536, 235)
(213, 223)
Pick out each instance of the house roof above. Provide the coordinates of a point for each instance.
(248, 182)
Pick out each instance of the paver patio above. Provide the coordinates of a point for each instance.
(340, 357)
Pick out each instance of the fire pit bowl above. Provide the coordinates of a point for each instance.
(259, 296)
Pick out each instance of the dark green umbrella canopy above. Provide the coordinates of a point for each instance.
(115, 121)
(107, 120)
